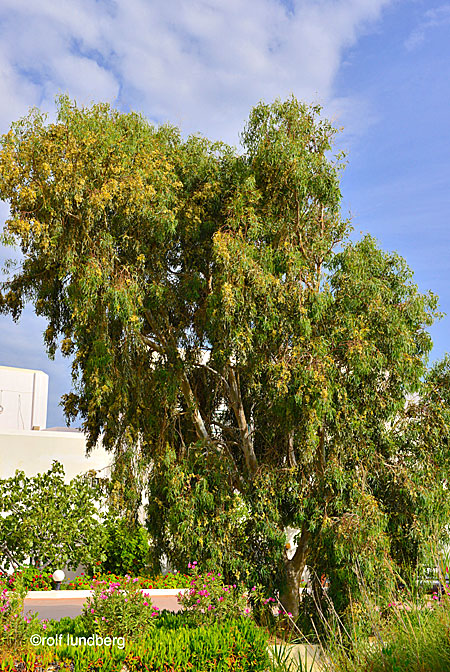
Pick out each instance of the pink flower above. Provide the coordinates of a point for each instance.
(92, 611)
(145, 604)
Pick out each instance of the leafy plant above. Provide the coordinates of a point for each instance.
(118, 609)
(209, 599)
(53, 523)
(246, 363)
(28, 577)
(126, 547)
(14, 627)
(237, 646)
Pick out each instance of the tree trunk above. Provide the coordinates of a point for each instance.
(290, 596)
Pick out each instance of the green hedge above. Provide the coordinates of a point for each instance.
(233, 646)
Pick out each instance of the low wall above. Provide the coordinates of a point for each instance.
(56, 604)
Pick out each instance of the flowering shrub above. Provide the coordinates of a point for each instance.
(34, 579)
(14, 627)
(6, 581)
(170, 580)
(209, 599)
(31, 578)
(118, 609)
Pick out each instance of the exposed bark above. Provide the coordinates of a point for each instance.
(291, 451)
(188, 394)
(234, 393)
(290, 597)
(168, 343)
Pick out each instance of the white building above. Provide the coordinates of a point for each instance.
(25, 441)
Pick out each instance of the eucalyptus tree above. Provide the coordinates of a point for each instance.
(220, 324)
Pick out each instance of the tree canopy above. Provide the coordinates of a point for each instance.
(224, 329)
(51, 523)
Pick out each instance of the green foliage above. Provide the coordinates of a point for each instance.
(126, 548)
(30, 578)
(246, 363)
(118, 609)
(233, 646)
(27, 578)
(49, 521)
(15, 628)
(411, 639)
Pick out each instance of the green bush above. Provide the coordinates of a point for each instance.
(232, 646)
(118, 609)
(15, 628)
(50, 521)
(28, 578)
(126, 549)
(209, 599)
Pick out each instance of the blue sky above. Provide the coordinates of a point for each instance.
(380, 68)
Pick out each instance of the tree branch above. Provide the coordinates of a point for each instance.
(291, 452)
(192, 403)
(238, 410)
(217, 373)
(154, 346)
(299, 558)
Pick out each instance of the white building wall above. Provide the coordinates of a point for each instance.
(33, 452)
(26, 444)
(23, 398)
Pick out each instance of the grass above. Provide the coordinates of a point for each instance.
(411, 634)
(416, 639)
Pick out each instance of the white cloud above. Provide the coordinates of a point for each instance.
(433, 18)
(201, 64)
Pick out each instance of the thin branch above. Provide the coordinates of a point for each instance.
(217, 373)
(299, 235)
(291, 451)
